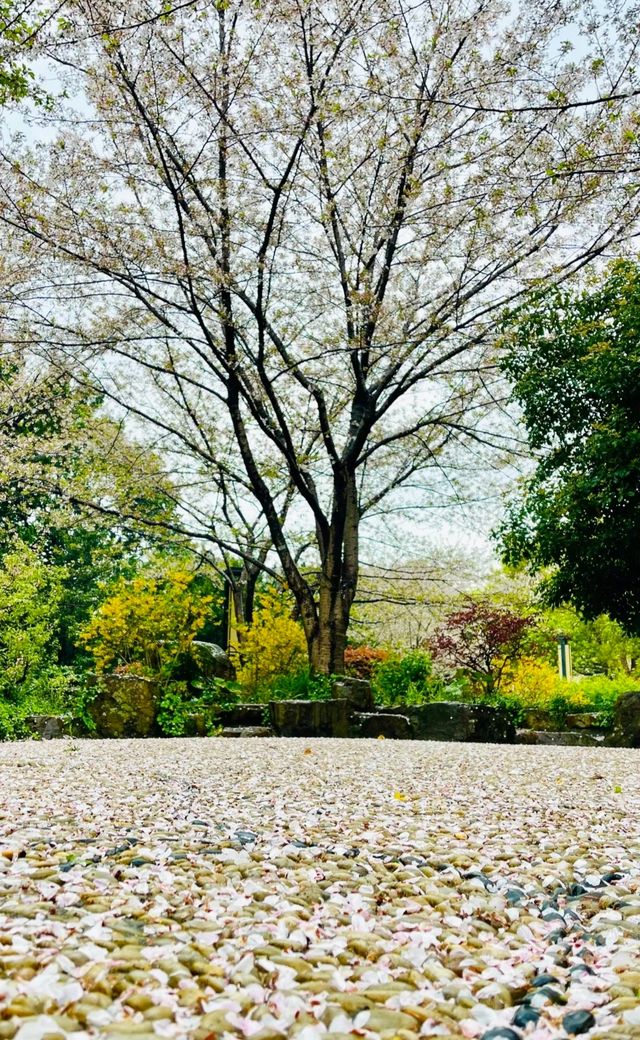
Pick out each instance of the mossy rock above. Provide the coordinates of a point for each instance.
(125, 706)
(626, 721)
(310, 718)
(212, 661)
(52, 727)
(539, 719)
(356, 692)
(458, 721)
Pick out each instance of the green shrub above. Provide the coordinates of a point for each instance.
(61, 692)
(409, 679)
(302, 685)
(12, 724)
(179, 700)
(536, 685)
(30, 596)
(595, 693)
(171, 710)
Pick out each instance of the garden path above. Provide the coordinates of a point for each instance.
(318, 889)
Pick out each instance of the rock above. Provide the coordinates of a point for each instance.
(212, 660)
(544, 980)
(501, 1033)
(125, 706)
(247, 731)
(454, 721)
(382, 724)
(578, 1022)
(242, 715)
(584, 720)
(382, 1018)
(524, 1016)
(310, 718)
(356, 692)
(626, 721)
(570, 738)
(196, 725)
(537, 718)
(51, 727)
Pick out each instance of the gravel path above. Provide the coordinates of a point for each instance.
(318, 889)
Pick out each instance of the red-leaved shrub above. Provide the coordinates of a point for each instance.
(360, 660)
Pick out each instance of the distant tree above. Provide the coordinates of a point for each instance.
(281, 233)
(58, 450)
(31, 595)
(575, 364)
(481, 639)
(599, 646)
(20, 21)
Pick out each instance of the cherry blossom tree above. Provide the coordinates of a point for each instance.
(278, 236)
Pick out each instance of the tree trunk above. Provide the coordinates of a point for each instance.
(243, 591)
(326, 629)
(329, 641)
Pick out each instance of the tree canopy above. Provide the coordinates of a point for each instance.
(59, 451)
(278, 236)
(575, 364)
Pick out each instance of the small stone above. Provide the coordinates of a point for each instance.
(514, 896)
(276, 884)
(381, 1019)
(581, 969)
(525, 1016)
(576, 1022)
(544, 980)
(547, 993)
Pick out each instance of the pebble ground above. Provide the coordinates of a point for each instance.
(318, 889)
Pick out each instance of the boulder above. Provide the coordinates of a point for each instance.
(125, 706)
(51, 727)
(585, 720)
(310, 718)
(626, 721)
(568, 738)
(382, 724)
(357, 693)
(537, 718)
(247, 731)
(212, 660)
(197, 725)
(455, 721)
(242, 715)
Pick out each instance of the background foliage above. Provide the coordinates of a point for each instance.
(575, 365)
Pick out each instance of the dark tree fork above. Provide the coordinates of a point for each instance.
(279, 236)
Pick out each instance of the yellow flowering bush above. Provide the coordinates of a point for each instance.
(147, 622)
(536, 684)
(274, 644)
(533, 683)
